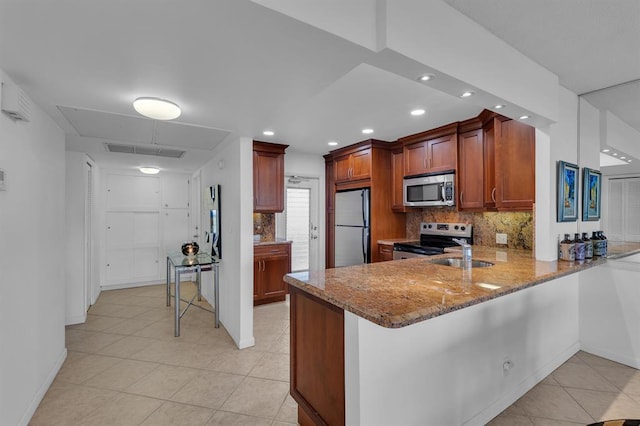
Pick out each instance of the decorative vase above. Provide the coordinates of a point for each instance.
(190, 249)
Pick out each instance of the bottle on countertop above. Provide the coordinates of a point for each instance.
(606, 243)
(597, 244)
(579, 248)
(567, 249)
(588, 246)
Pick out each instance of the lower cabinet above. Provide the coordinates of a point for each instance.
(385, 252)
(270, 263)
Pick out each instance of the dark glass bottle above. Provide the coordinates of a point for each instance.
(579, 249)
(597, 244)
(605, 242)
(567, 249)
(588, 246)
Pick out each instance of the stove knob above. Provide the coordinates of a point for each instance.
(463, 228)
(429, 226)
(455, 227)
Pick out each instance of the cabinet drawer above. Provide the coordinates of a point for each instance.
(271, 250)
(385, 251)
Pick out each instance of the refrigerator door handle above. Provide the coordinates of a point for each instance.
(365, 207)
(364, 245)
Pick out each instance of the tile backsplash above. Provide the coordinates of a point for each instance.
(519, 226)
(264, 224)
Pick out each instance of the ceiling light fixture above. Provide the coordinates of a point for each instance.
(367, 131)
(418, 111)
(268, 133)
(425, 77)
(615, 154)
(332, 143)
(524, 117)
(156, 108)
(466, 94)
(623, 158)
(499, 106)
(605, 150)
(149, 170)
(628, 161)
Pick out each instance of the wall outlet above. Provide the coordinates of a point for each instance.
(501, 238)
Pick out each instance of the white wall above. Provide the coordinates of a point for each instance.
(232, 168)
(32, 262)
(307, 165)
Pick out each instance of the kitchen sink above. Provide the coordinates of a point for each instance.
(456, 262)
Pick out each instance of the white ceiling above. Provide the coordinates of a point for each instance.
(237, 68)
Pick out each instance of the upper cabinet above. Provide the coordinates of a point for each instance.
(470, 170)
(353, 166)
(175, 191)
(397, 181)
(268, 177)
(430, 152)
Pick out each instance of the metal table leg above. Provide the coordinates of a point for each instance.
(168, 282)
(199, 283)
(216, 293)
(177, 304)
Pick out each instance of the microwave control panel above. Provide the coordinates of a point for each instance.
(448, 191)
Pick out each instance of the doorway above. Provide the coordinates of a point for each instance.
(88, 234)
(299, 222)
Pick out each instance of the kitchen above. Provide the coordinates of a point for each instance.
(230, 163)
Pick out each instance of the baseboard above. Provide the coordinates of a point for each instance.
(37, 398)
(484, 416)
(603, 353)
(76, 319)
(108, 287)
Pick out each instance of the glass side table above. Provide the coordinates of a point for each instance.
(198, 263)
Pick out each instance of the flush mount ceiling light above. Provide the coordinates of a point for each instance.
(524, 117)
(499, 106)
(367, 131)
(156, 108)
(149, 170)
(425, 77)
(466, 94)
(418, 111)
(332, 143)
(268, 133)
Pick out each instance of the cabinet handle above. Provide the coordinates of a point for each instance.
(264, 266)
(461, 192)
(425, 162)
(493, 194)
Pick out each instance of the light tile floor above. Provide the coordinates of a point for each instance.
(124, 367)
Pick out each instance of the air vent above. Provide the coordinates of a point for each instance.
(3, 186)
(15, 102)
(144, 150)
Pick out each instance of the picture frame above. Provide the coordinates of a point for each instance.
(568, 178)
(591, 194)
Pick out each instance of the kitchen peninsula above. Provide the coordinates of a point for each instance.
(371, 344)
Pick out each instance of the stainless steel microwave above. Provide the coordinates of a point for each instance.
(428, 191)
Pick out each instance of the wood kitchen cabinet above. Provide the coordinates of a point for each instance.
(353, 166)
(430, 152)
(270, 263)
(268, 177)
(385, 252)
(470, 187)
(397, 176)
(510, 169)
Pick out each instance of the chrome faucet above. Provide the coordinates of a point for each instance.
(466, 252)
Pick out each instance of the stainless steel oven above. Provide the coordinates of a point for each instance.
(434, 239)
(427, 191)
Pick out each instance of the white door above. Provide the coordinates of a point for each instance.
(299, 222)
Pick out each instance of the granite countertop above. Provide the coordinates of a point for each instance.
(398, 293)
(271, 242)
(390, 241)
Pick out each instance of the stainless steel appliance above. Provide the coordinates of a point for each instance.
(427, 191)
(352, 227)
(434, 239)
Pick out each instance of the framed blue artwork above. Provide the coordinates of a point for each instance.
(591, 190)
(568, 177)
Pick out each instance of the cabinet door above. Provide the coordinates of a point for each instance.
(274, 269)
(361, 164)
(132, 193)
(442, 154)
(488, 140)
(257, 278)
(268, 182)
(175, 192)
(397, 176)
(385, 252)
(515, 166)
(342, 167)
(415, 158)
(175, 225)
(471, 171)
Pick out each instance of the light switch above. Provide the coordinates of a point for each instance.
(501, 238)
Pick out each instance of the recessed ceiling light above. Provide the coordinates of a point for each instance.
(156, 108)
(605, 150)
(332, 143)
(628, 161)
(623, 158)
(524, 117)
(418, 111)
(615, 154)
(268, 133)
(149, 170)
(499, 106)
(466, 94)
(367, 131)
(426, 77)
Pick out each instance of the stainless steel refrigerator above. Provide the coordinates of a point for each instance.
(352, 240)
